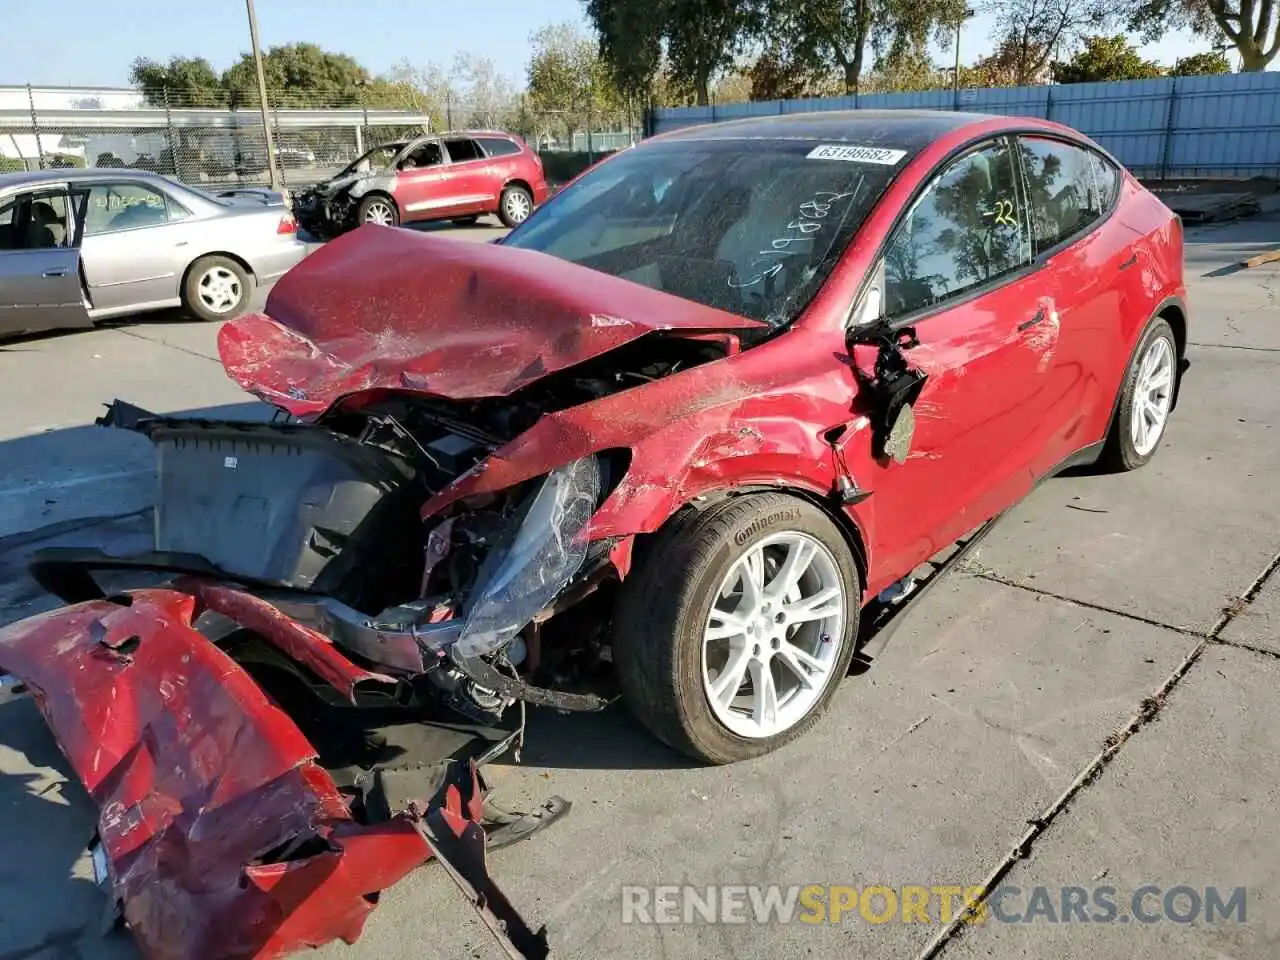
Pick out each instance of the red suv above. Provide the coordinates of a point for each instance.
(454, 176)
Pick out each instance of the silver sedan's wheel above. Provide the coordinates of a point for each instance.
(215, 288)
(1152, 396)
(379, 212)
(767, 651)
(733, 630)
(219, 290)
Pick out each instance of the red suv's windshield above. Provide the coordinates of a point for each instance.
(753, 228)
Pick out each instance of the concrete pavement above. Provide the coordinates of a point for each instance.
(1008, 696)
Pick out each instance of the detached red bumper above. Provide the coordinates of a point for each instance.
(224, 837)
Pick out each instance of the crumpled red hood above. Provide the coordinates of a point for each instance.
(387, 308)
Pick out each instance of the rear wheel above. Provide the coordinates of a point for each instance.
(1146, 399)
(734, 631)
(216, 288)
(515, 205)
(379, 210)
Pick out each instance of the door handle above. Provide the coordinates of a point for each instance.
(1038, 318)
(1133, 258)
(181, 243)
(54, 274)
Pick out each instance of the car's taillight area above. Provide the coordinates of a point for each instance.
(287, 225)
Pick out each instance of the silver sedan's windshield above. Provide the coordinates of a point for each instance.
(752, 227)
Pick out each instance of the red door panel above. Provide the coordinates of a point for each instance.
(981, 412)
(423, 182)
(977, 422)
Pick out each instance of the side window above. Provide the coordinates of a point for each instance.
(113, 207)
(1107, 178)
(463, 149)
(498, 146)
(427, 155)
(968, 228)
(39, 221)
(1064, 198)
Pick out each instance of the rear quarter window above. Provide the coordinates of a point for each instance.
(1107, 177)
(498, 146)
(1063, 194)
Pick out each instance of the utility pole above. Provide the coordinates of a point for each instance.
(955, 79)
(262, 97)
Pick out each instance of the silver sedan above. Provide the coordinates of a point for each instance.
(78, 246)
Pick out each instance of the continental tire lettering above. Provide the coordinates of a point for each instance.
(757, 527)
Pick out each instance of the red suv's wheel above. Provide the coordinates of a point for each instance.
(515, 206)
(378, 209)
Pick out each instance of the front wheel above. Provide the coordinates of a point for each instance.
(379, 210)
(1146, 400)
(514, 206)
(734, 631)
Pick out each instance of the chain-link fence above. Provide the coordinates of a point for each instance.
(216, 138)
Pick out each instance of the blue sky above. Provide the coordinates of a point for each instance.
(97, 41)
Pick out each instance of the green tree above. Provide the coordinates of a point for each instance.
(186, 81)
(298, 75)
(1106, 58)
(1201, 64)
(696, 39)
(569, 85)
(818, 38)
(1251, 26)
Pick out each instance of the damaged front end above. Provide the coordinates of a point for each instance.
(298, 715)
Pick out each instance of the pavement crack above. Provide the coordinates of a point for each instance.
(170, 346)
(1087, 605)
(1147, 712)
(1234, 346)
(1240, 645)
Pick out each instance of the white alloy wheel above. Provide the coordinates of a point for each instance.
(772, 640)
(1152, 396)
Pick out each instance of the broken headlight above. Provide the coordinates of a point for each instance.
(545, 549)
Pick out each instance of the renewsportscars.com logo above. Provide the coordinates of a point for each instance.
(877, 904)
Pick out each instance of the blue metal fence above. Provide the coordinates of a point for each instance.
(1216, 126)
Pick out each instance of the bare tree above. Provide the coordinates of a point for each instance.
(1033, 33)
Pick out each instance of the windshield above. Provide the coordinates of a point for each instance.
(752, 227)
(379, 158)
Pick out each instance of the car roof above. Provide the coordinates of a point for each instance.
(910, 130)
(72, 174)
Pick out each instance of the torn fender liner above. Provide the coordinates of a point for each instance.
(224, 837)
(382, 308)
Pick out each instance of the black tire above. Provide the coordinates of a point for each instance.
(380, 200)
(515, 205)
(202, 276)
(466, 221)
(1119, 455)
(664, 603)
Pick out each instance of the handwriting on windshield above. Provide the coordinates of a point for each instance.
(809, 220)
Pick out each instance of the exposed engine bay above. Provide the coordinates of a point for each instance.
(321, 520)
